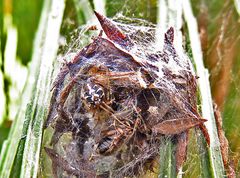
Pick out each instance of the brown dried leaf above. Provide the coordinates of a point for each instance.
(110, 29)
(176, 126)
(223, 143)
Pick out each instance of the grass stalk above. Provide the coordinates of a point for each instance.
(171, 15)
(217, 167)
(16, 152)
(41, 97)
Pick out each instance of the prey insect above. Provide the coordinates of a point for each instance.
(117, 98)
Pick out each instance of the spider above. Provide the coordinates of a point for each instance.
(118, 99)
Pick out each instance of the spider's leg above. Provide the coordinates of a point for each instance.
(115, 75)
(65, 93)
(120, 74)
(121, 78)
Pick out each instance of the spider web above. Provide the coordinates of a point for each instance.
(143, 35)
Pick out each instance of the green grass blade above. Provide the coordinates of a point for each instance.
(237, 6)
(2, 96)
(167, 160)
(43, 55)
(42, 94)
(16, 167)
(16, 82)
(217, 166)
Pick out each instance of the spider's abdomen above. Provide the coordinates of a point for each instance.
(93, 94)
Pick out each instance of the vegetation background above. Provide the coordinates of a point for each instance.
(21, 24)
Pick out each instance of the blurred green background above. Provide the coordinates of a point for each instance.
(219, 28)
(22, 16)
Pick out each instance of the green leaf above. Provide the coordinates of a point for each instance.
(16, 167)
(167, 159)
(215, 157)
(24, 142)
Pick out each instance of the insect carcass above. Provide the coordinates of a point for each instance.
(117, 98)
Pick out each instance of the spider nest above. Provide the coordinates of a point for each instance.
(117, 99)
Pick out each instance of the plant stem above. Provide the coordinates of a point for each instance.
(215, 156)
